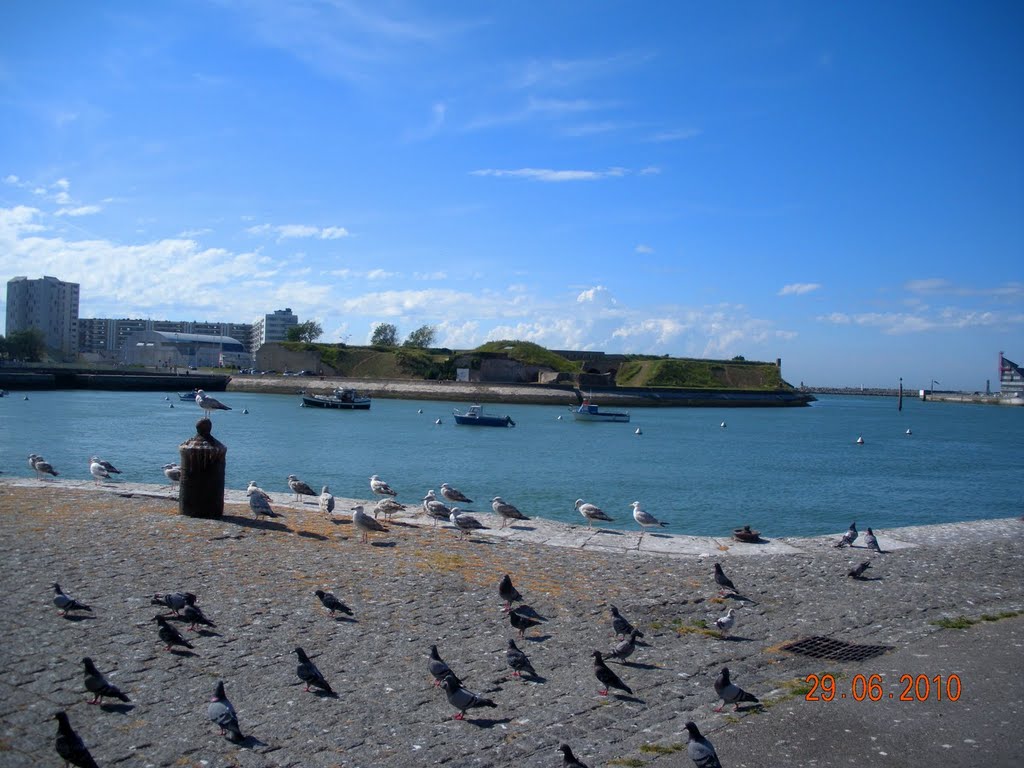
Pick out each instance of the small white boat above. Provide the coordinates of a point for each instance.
(589, 411)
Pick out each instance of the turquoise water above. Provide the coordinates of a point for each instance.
(785, 471)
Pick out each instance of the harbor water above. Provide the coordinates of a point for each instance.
(705, 471)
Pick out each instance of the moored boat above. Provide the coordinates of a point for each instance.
(589, 411)
(184, 397)
(475, 417)
(344, 398)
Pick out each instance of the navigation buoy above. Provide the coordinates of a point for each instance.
(558, 418)
(245, 410)
(722, 425)
(167, 398)
(420, 411)
(860, 441)
(171, 405)
(638, 431)
(438, 421)
(909, 432)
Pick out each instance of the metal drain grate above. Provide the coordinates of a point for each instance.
(835, 650)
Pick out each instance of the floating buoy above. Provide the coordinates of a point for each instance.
(26, 397)
(860, 441)
(171, 405)
(722, 425)
(438, 421)
(559, 418)
(420, 411)
(909, 432)
(638, 431)
(167, 398)
(245, 410)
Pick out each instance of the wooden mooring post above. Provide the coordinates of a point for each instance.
(203, 459)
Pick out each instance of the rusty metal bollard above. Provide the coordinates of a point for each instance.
(201, 490)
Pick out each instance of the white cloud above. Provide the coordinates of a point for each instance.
(333, 233)
(798, 289)
(81, 210)
(430, 275)
(62, 184)
(298, 231)
(11, 179)
(641, 248)
(198, 232)
(548, 174)
(677, 134)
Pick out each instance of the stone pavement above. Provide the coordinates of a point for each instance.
(417, 585)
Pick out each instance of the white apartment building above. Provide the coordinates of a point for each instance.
(272, 327)
(49, 304)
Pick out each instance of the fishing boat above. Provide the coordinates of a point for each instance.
(186, 396)
(475, 417)
(344, 398)
(589, 411)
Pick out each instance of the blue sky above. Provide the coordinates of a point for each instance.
(837, 184)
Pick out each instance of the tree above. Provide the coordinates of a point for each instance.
(422, 338)
(308, 331)
(27, 346)
(384, 335)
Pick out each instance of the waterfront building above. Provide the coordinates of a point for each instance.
(104, 338)
(273, 327)
(167, 349)
(1011, 378)
(49, 305)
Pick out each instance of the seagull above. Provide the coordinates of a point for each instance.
(464, 523)
(518, 661)
(625, 648)
(508, 593)
(434, 508)
(69, 745)
(106, 465)
(462, 698)
(176, 601)
(98, 472)
(726, 622)
(645, 519)
(454, 494)
(519, 619)
(591, 512)
(858, 571)
(253, 488)
(381, 488)
(723, 581)
(700, 750)
(606, 677)
(222, 714)
(730, 693)
(299, 488)
(506, 511)
(871, 542)
(173, 473)
(365, 523)
(170, 635)
(569, 760)
(849, 537)
(99, 686)
(41, 466)
(331, 603)
(309, 674)
(388, 507)
(326, 502)
(439, 670)
(259, 503)
(619, 624)
(209, 404)
(67, 603)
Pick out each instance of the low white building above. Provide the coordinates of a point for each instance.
(164, 349)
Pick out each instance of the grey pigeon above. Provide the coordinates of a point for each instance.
(439, 670)
(569, 760)
(222, 714)
(208, 403)
(463, 699)
(464, 522)
(194, 615)
(725, 623)
(625, 648)
(331, 603)
(170, 635)
(176, 601)
(506, 511)
(606, 677)
(99, 686)
(700, 750)
(619, 623)
(508, 593)
(858, 571)
(871, 542)
(592, 512)
(518, 661)
(454, 494)
(849, 537)
(519, 619)
(730, 693)
(299, 488)
(69, 745)
(67, 603)
(722, 580)
(309, 674)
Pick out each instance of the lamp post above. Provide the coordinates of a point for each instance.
(932, 387)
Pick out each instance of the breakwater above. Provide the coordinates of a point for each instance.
(132, 380)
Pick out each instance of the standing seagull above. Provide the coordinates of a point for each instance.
(299, 488)
(645, 519)
(569, 760)
(67, 603)
(106, 465)
(259, 502)
(41, 466)
(309, 674)
(849, 537)
(464, 523)
(366, 524)
(434, 508)
(222, 714)
(606, 677)
(99, 686)
(326, 502)
(462, 698)
(725, 623)
(209, 404)
(173, 473)
(591, 512)
(388, 507)
(508, 593)
(700, 750)
(380, 487)
(730, 693)
(871, 542)
(69, 745)
(454, 494)
(170, 635)
(724, 581)
(506, 511)
(98, 472)
(518, 661)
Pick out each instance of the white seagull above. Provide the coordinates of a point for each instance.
(173, 473)
(454, 494)
(326, 502)
(366, 524)
(299, 488)
(388, 507)
(41, 466)
(464, 523)
(98, 471)
(645, 519)
(380, 487)
(208, 403)
(255, 489)
(506, 511)
(434, 508)
(592, 512)
(106, 465)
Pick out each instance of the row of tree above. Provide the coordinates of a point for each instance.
(27, 346)
(384, 335)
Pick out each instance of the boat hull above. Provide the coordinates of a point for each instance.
(320, 401)
(607, 416)
(484, 421)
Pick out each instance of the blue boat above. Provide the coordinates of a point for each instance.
(475, 417)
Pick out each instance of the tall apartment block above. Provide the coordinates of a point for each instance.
(49, 304)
